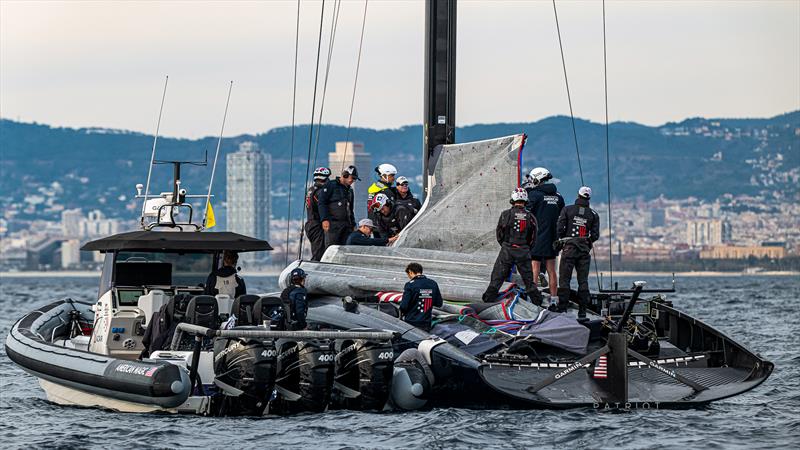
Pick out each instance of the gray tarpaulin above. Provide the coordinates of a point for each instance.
(558, 330)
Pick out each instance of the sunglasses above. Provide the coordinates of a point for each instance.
(403, 184)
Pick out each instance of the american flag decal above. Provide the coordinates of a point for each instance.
(601, 368)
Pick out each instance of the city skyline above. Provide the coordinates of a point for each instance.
(729, 59)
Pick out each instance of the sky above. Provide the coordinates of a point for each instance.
(103, 63)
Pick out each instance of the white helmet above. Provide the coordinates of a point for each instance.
(385, 170)
(539, 175)
(380, 201)
(519, 195)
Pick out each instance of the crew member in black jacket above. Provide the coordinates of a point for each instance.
(545, 203)
(420, 295)
(578, 228)
(294, 301)
(363, 235)
(313, 226)
(405, 204)
(336, 207)
(226, 280)
(516, 232)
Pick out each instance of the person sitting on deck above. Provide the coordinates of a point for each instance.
(363, 235)
(225, 280)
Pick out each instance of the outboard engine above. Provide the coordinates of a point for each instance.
(363, 375)
(304, 377)
(412, 381)
(245, 373)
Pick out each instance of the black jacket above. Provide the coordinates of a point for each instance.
(386, 226)
(405, 209)
(312, 202)
(296, 306)
(516, 227)
(579, 221)
(226, 271)
(545, 203)
(420, 295)
(358, 238)
(336, 202)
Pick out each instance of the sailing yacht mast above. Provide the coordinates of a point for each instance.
(440, 79)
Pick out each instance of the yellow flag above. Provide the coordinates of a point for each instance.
(210, 221)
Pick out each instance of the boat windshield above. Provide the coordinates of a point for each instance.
(161, 268)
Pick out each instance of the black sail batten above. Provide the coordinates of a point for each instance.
(439, 124)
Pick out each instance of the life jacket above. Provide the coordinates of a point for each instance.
(312, 202)
(227, 285)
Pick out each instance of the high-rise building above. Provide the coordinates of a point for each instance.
(249, 178)
(71, 222)
(352, 153)
(70, 253)
(700, 232)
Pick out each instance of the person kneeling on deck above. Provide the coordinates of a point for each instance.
(578, 228)
(516, 233)
(224, 280)
(363, 235)
(420, 295)
(294, 301)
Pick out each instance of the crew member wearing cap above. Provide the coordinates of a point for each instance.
(578, 227)
(545, 203)
(225, 280)
(516, 233)
(405, 204)
(336, 207)
(383, 184)
(420, 295)
(294, 301)
(313, 226)
(363, 235)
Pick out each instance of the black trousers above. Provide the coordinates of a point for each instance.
(579, 261)
(508, 257)
(337, 233)
(316, 236)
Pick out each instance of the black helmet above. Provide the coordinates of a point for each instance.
(298, 274)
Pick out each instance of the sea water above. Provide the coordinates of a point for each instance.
(763, 313)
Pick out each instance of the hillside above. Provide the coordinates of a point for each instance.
(43, 168)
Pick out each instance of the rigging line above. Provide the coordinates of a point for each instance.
(574, 128)
(355, 83)
(608, 158)
(216, 155)
(337, 4)
(153, 154)
(313, 108)
(569, 97)
(294, 109)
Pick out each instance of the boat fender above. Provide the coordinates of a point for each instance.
(411, 381)
(426, 347)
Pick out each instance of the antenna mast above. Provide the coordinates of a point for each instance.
(153, 154)
(216, 155)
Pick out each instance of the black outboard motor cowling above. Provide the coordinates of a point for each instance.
(246, 365)
(363, 375)
(305, 376)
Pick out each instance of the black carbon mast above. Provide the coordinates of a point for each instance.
(439, 126)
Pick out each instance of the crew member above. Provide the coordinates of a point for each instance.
(363, 235)
(224, 280)
(420, 295)
(383, 184)
(294, 301)
(578, 228)
(385, 220)
(405, 204)
(545, 203)
(313, 226)
(336, 207)
(516, 233)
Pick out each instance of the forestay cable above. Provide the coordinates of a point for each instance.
(313, 108)
(294, 109)
(355, 84)
(337, 4)
(608, 157)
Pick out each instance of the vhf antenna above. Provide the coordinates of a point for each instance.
(216, 155)
(153, 154)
